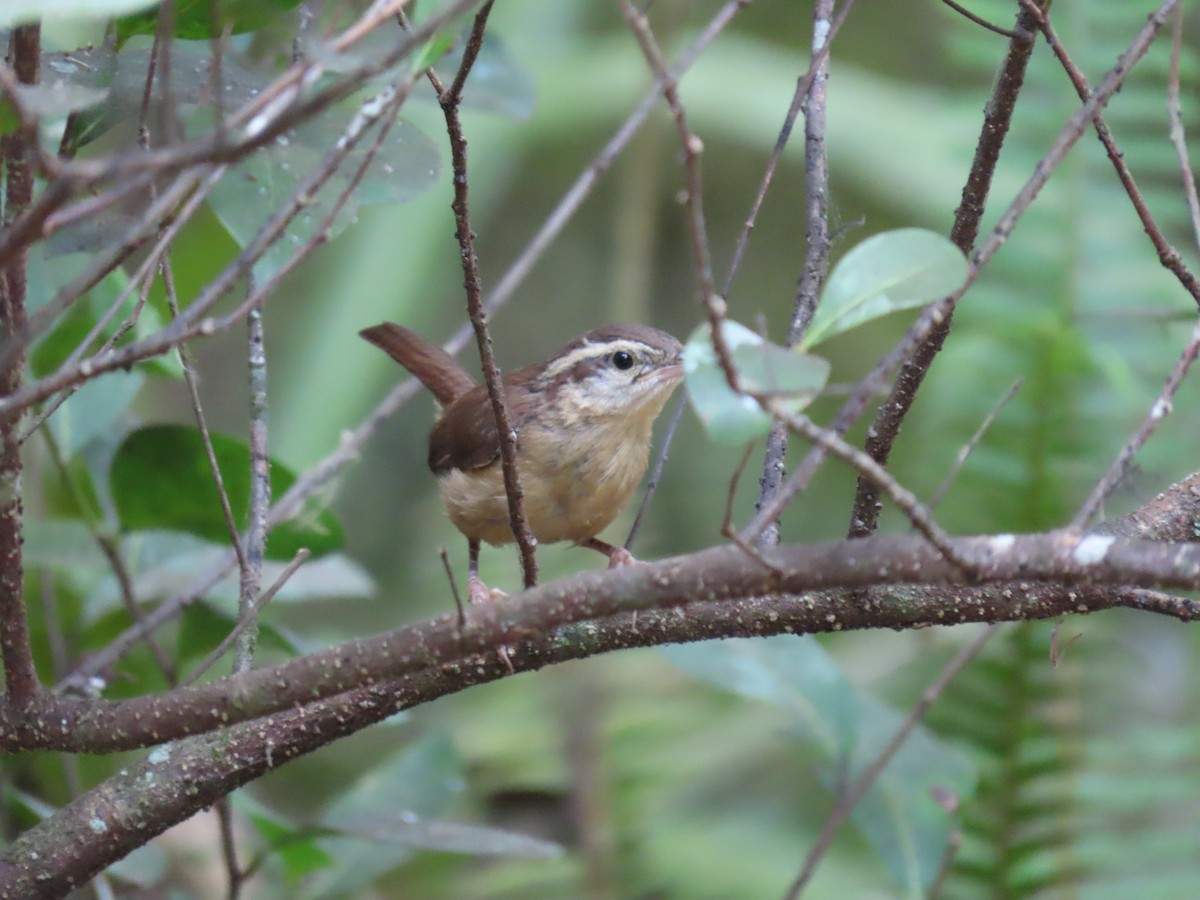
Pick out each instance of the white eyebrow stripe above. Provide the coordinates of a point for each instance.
(593, 351)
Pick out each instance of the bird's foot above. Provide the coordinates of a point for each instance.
(620, 557)
(478, 592)
(617, 556)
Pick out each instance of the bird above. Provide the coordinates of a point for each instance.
(582, 420)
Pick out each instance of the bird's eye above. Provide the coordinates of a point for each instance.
(623, 359)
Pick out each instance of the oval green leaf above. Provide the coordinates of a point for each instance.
(160, 479)
(763, 368)
(201, 20)
(891, 271)
(848, 728)
(405, 165)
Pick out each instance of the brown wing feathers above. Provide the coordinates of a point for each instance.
(465, 435)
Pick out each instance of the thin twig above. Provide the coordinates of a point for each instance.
(656, 473)
(210, 453)
(449, 100)
(889, 417)
(918, 514)
(350, 446)
(192, 321)
(953, 845)
(821, 51)
(978, 20)
(1167, 254)
(458, 604)
(1185, 609)
(1159, 410)
(1176, 132)
(163, 26)
(59, 655)
(116, 561)
(692, 148)
(727, 529)
(247, 621)
(229, 857)
(817, 239)
(968, 448)
(932, 318)
(871, 773)
(110, 547)
(816, 183)
(260, 488)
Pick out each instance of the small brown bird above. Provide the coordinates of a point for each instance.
(583, 420)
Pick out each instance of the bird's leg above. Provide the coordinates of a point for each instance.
(477, 591)
(617, 556)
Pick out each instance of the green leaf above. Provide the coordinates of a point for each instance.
(95, 410)
(891, 271)
(124, 75)
(65, 86)
(849, 728)
(65, 546)
(410, 830)
(16, 12)
(160, 479)
(420, 781)
(8, 117)
(161, 561)
(203, 626)
(53, 99)
(48, 273)
(763, 368)
(433, 50)
(406, 165)
(199, 20)
(56, 98)
(295, 847)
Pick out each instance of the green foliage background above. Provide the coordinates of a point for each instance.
(1087, 781)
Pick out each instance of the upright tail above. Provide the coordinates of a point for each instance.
(440, 372)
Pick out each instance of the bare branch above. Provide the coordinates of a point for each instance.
(996, 120)
(714, 576)
(449, 101)
(1167, 254)
(260, 491)
(816, 190)
(20, 676)
(192, 774)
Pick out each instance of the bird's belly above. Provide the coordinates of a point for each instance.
(567, 497)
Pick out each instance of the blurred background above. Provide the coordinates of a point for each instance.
(661, 778)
